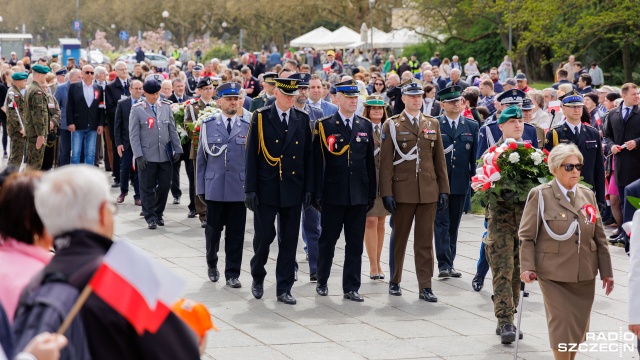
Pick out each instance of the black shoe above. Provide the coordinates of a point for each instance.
(141, 213)
(374, 276)
(477, 283)
(151, 224)
(381, 276)
(313, 277)
(394, 289)
(191, 214)
(115, 185)
(287, 299)
(526, 294)
(214, 274)
(520, 335)
(176, 201)
(257, 290)
(614, 235)
(322, 290)
(234, 283)
(446, 273)
(353, 296)
(455, 273)
(427, 295)
(507, 334)
(203, 224)
(617, 240)
(160, 222)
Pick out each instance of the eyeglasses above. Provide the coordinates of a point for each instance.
(570, 167)
(121, 69)
(89, 72)
(381, 84)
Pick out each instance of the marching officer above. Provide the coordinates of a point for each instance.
(586, 138)
(220, 182)
(151, 123)
(14, 103)
(206, 90)
(36, 117)
(460, 141)
(194, 80)
(269, 87)
(345, 187)
(278, 181)
(413, 184)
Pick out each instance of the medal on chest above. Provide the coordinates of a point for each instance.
(151, 122)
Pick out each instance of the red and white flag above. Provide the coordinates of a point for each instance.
(136, 286)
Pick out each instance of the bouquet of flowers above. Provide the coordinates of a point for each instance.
(178, 116)
(508, 172)
(194, 127)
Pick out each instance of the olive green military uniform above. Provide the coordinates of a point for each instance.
(14, 104)
(502, 247)
(36, 123)
(51, 142)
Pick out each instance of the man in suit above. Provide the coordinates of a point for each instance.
(460, 140)
(179, 96)
(269, 85)
(622, 136)
(115, 91)
(123, 144)
(151, 124)
(220, 179)
(345, 187)
(85, 116)
(310, 217)
(278, 182)
(251, 84)
(430, 106)
(315, 97)
(563, 76)
(62, 97)
(413, 184)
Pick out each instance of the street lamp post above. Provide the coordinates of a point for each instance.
(372, 3)
(165, 15)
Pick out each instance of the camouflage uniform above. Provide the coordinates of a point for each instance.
(502, 247)
(36, 123)
(49, 157)
(13, 125)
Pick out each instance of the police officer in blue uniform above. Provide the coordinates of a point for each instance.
(220, 182)
(460, 141)
(345, 187)
(155, 144)
(279, 181)
(586, 138)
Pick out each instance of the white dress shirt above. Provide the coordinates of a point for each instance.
(280, 112)
(87, 90)
(564, 190)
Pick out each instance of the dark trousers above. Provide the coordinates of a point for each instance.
(48, 157)
(231, 216)
(115, 165)
(446, 231)
(64, 148)
(391, 241)
(125, 173)
(333, 218)
(264, 219)
(482, 267)
(4, 134)
(311, 230)
(155, 181)
(175, 183)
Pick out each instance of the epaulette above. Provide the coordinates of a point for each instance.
(248, 121)
(165, 101)
(363, 118)
(533, 126)
(301, 110)
(557, 126)
(263, 108)
(395, 116)
(138, 104)
(589, 126)
(325, 118)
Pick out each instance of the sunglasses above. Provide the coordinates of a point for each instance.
(570, 167)
(89, 72)
(379, 84)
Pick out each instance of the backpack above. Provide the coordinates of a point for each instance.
(44, 306)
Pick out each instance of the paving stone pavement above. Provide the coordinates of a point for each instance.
(460, 326)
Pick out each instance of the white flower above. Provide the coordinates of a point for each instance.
(509, 140)
(514, 157)
(537, 158)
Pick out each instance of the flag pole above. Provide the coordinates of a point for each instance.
(84, 295)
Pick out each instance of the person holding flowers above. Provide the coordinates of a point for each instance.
(564, 246)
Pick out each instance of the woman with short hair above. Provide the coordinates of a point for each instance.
(564, 246)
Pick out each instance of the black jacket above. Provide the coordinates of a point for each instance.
(292, 147)
(114, 91)
(350, 178)
(174, 99)
(121, 123)
(617, 132)
(81, 115)
(109, 335)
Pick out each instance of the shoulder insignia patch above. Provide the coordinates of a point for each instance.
(138, 103)
(263, 108)
(325, 118)
(301, 110)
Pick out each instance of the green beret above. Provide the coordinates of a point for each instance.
(511, 112)
(40, 69)
(19, 75)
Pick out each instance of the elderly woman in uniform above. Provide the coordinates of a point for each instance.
(564, 246)
(374, 110)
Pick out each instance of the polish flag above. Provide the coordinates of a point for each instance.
(136, 286)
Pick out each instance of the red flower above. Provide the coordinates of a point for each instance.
(545, 151)
(513, 146)
(492, 149)
(545, 159)
(527, 146)
(197, 128)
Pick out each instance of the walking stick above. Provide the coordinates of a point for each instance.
(532, 277)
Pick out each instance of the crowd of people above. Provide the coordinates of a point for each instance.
(329, 149)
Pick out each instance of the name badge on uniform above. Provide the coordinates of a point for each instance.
(151, 121)
(51, 106)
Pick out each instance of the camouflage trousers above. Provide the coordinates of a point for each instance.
(17, 149)
(502, 247)
(34, 156)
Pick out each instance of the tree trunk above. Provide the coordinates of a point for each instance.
(626, 62)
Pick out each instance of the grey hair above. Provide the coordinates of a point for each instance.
(99, 70)
(120, 63)
(560, 153)
(69, 198)
(552, 92)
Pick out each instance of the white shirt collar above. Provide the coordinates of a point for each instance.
(573, 127)
(564, 190)
(344, 119)
(411, 118)
(86, 86)
(451, 121)
(280, 112)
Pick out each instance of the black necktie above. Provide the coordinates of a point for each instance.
(229, 126)
(284, 121)
(179, 100)
(454, 127)
(626, 114)
(126, 88)
(576, 132)
(348, 126)
(153, 107)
